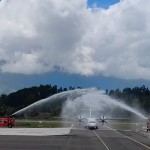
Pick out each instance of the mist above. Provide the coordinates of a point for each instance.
(78, 102)
(100, 104)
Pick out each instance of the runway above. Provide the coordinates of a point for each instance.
(78, 139)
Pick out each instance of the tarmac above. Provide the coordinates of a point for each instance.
(79, 138)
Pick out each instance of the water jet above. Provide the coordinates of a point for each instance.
(72, 102)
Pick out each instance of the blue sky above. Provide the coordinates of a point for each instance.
(14, 82)
(102, 3)
(74, 47)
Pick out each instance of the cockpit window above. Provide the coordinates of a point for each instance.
(92, 122)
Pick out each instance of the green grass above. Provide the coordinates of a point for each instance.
(58, 124)
(40, 124)
(126, 126)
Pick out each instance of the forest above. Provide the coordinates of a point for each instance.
(10, 103)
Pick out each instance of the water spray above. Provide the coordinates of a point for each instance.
(76, 100)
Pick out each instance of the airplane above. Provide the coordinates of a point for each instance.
(91, 122)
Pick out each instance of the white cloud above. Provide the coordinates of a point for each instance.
(38, 36)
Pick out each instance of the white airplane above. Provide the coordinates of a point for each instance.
(91, 122)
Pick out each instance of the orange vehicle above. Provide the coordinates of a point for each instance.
(7, 122)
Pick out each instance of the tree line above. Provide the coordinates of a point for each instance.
(17, 100)
(10, 103)
(134, 97)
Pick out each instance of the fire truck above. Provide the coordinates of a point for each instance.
(7, 122)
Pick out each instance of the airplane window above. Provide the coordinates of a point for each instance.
(92, 122)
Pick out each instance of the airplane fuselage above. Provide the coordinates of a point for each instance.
(92, 123)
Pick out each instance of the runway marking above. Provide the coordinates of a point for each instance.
(101, 140)
(138, 142)
(132, 139)
(116, 131)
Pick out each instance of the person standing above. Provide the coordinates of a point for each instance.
(148, 125)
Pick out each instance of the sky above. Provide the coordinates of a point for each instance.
(102, 3)
(86, 43)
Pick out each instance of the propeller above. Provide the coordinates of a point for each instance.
(80, 120)
(103, 120)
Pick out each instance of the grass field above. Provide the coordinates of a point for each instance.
(60, 123)
(41, 124)
(128, 126)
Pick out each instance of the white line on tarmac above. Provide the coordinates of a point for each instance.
(132, 139)
(116, 131)
(137, 142)
(101, 140)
